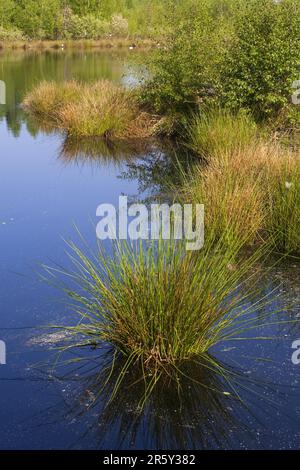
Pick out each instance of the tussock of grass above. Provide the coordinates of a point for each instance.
(101, 109)
(217, 131)
(255, 190)
(160, 305)
(231, 200)
(49, 98)
(283, 203)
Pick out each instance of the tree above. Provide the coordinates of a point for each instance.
(7, 8)
(263, 59)
(40, 19)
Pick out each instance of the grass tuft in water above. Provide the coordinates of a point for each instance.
(158, 305)
(100, 109)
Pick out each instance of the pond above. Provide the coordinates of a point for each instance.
(48, 185)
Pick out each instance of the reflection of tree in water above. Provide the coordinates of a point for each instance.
(154, 164)
(160, 171)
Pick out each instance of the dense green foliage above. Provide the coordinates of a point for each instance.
(236, 53)
(264, 58)
(185, 72)
(241, 54)
(90, 19)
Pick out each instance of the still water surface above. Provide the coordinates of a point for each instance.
(46, 186)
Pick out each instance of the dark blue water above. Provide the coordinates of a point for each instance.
(46, 187)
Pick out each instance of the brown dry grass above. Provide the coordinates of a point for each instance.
(254, 190)
(90, 110)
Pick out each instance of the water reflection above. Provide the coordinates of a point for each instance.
(99, 151)
(195, 412)
(22, 70)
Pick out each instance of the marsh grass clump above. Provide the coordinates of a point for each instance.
(232, 199)
(158, 305)
(254, 190)
(101, 109)
(218, 131)
(283, 200)
(48, 98)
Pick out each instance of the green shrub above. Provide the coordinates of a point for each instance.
(38, 20)
(263, 60)
(119, 26)
(184, 72)
(11, 34)
(87, 27)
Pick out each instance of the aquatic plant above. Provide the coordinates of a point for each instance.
(283, 205)
(232, 198)
(158, 305)
(254, 190)
(48, 98)
(100, 109)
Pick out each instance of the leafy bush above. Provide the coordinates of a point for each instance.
(119, 26)
(184, 72)
(11, 34)
(263, 60)
(87, 27)
(38, 20)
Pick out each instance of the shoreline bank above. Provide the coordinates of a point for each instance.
(105, 43)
